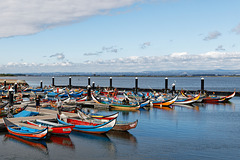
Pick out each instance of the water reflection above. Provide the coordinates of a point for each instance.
(97, 139)
(188, 106)
(123, 136)
(62, 140)
(40, 145)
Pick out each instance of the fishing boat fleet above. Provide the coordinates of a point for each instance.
(65, 101)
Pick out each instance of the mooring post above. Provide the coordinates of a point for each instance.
(93, 85)
(110, 83)
(15, 88)
(70, 82)
(166, 85)
(10, 97)
(5, 84)
(173, 88)
(41, 84)
(202, 85)
(89, 92)
(89, 81)
(136, 85)
(53, 82)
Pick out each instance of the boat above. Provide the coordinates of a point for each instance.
(115, 106)
(25, 132)
(217, 99)
(85, 115)
(56, 128)
(187, 100)
(88, 127)
(119, 126)
(7, 111)
(168, 102)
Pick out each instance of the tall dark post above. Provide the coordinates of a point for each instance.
(173, 89)
(53, 82)
(89, 81)
(70, 82)
(110, 82)
(166, 85)
(93, 85)
(41, 84)
(15, 88)
(5, 84)
(89, 92)
(11, 97)
(202, 85)
(136, 85)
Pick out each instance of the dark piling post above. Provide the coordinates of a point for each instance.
(202, 85)
(173, 89)
(10, 97)
(70, 82)
(53, 82)
(15, 88)
(41, 84)
(110, 82)
(93, 85)
(5, 84)
(136, 85)
(166, 85)
(89, 81)
(89, 92)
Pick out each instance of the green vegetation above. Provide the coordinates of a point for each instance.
(6, 75)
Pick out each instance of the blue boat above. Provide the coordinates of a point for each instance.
(88, 127)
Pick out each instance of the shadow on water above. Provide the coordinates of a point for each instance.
(62, 140)
(39, 145)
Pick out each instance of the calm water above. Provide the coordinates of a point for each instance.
(186, 83)
(207, 131)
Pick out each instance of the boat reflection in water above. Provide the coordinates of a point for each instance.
(94, 140)
(40, 144)
(188, 106)
(123, 136)
(62, 140)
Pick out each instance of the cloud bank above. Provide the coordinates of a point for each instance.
(174, 61)
(23, 17)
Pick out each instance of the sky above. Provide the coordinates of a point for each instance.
(118, 35)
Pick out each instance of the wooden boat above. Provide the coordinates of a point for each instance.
(187, 101)
(164, 102)
(218, 99)
(59, 129)
(116, 106)
(96, 116)
(25, 132)
(4, 112)
(87, 127)
(119, 126)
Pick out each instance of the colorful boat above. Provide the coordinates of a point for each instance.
(218, 99)
(56, 128)
(87, 127)
(119, 126)
(115, 106)
(25, 132)
(187, 100)
(168, 102)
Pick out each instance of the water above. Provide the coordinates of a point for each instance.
(206, 131)
(186, 83)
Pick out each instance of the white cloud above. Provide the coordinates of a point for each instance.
(22, 17)
(212, 35)
(236, 29)
(175, 61)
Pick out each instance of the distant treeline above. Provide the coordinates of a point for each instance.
(8, 75)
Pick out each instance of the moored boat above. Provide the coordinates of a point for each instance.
(217, 99)
(25, 132)
(88, 127)
(59, 129)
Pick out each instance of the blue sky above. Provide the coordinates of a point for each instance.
(119, 35)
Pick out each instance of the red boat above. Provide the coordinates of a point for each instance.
(218, 99)
(56, 128)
